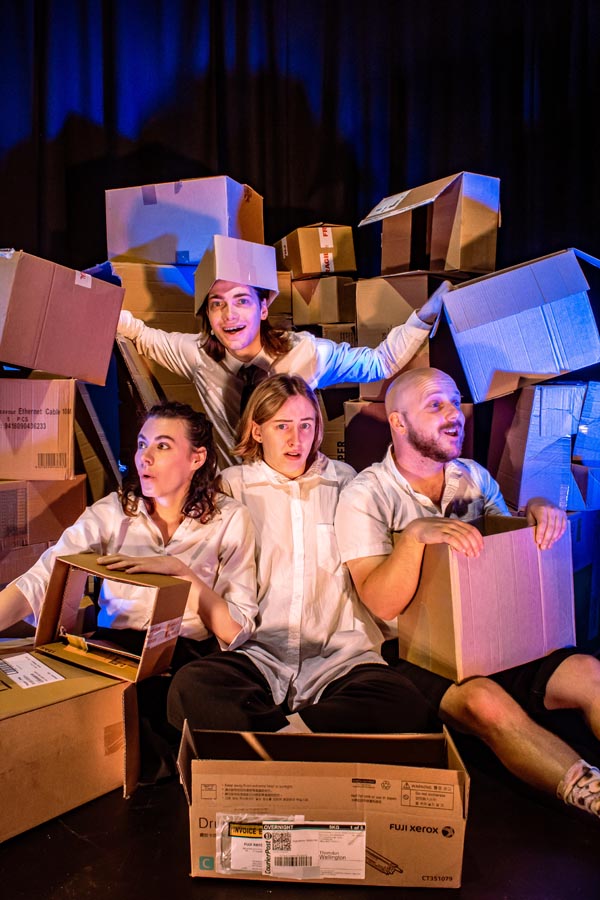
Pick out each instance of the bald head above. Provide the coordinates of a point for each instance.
(426, 420)
(412, 383)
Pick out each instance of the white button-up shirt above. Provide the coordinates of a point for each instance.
(380, 501)
(320, 362)
(311, 627)
(220, 552)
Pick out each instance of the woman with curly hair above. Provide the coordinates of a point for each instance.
(170, 519)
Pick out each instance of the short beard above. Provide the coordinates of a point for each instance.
(428, 448)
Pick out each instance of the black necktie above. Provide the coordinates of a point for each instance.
(251, 376)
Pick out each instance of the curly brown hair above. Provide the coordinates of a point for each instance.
(276, 341)
(201, 501)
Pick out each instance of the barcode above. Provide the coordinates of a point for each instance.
(292, 860)
(7, 668)
(51, 460)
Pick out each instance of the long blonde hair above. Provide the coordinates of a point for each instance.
(265, 401)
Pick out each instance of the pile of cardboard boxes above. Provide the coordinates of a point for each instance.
(397, 816)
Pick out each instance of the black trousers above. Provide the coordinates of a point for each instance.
(226, 691)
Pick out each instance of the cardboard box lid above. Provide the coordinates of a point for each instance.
(61, 604)
(484, 189)
(243, 262)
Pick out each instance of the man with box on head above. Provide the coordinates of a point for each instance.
(423, 490)
(237, 347)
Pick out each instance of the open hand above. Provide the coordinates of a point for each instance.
(457, 534)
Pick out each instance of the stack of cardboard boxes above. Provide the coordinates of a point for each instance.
(500, 335)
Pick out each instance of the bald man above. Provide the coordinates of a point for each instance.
(425, 491)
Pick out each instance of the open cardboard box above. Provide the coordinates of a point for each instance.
(60, 610)
(450, 224)
(385, 810)
(510, 605)
(518, 326)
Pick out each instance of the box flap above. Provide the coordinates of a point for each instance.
(405, 200)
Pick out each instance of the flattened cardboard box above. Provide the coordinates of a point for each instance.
(315, 250)
(510, 605)
(62, 741)
(48, 314)
(385, 810)
(450, 224)
(36, 429)
(59, 616)
(32, 512)
(174, 222)
(518, 326)
(530, 444)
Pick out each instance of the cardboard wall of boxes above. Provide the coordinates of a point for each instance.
(500, 332)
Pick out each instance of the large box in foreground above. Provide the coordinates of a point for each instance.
(385, 810)
(62, 739)
(174, 222)
(518, 326)
(510, 605)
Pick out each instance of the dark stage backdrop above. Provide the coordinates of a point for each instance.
(322, 107)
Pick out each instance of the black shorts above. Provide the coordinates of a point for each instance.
(527, 683)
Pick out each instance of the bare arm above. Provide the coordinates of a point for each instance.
(14, 606)
(213, 610)
(387, 584)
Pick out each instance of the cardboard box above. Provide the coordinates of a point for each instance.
(449, 225)
(32, 512)
(391, 810)
(322, 300)
(17, 561)
(36, 429)
(228, 259)
(519, 326)
(530, 444)
(162, 297)
(383, 303)
(59, 616)
(331, 402)
(319, 249)
(62, 741)
(587, 440)
(338, 332)
(510, 605)
(48, 314)
(587, 479)
(585, 544)
(174, 222)
(282, 304)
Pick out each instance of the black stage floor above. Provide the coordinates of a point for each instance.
(519, 846)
